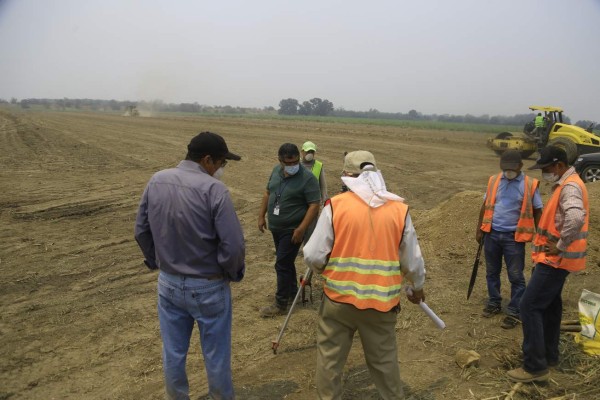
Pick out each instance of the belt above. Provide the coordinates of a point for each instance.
(213, 277)
(208, 278)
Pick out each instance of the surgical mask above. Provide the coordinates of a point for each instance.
(219, 173)
(309, 157)
(510, 174)
(550, 177)
(292, 170)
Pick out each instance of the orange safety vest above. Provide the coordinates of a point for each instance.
(573, 258)
(364, 264)
(526, 225)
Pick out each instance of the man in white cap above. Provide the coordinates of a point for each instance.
(309, 149)
(375, 248)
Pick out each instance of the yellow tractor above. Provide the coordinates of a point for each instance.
(555, 132)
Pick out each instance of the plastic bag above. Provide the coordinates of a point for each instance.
(589, 312)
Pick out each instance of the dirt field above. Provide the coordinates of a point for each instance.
(79, 307)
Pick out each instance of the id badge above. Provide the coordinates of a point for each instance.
(276, 210)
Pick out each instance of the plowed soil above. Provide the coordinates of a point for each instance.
(78, 306)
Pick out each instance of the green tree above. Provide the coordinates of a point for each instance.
(306, 108)
(321, 107)
(288, 107)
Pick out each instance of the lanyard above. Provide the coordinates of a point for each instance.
(282, 184)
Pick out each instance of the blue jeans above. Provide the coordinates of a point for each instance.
(181, 302)
(541, 313)
(499, 244)
(285, 266)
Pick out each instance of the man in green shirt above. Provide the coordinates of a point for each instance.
(291, 202)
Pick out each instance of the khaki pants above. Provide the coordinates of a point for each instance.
(337, 324)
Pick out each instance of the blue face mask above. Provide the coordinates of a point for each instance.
(292, 170)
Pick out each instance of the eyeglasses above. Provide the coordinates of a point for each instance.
(289, 163)
(215, 160)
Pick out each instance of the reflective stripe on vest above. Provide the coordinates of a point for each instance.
(364, 265)
(526, 224)
(539, 121)
(573, 258)
(316, 169)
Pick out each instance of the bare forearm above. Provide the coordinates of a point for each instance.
(263, 205)
(537, 214)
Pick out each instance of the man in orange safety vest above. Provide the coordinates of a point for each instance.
(375, 248)
(559, 248)
(509, 214)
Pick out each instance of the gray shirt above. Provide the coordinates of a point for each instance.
(186, 224)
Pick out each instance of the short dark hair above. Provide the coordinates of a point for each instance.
(288, 150)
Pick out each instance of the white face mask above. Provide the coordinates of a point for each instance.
(309, 157)
(510, 174)
(550, 177)
(219, 173)
(292, 169)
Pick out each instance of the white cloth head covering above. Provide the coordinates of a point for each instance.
(370, 187)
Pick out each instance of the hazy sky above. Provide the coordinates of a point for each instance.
(435, 56)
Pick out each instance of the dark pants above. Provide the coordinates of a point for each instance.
(502, 244)
(541, 312)
(285, 267)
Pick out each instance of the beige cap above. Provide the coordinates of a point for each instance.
(354, 161)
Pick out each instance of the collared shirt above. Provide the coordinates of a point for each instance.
(316, 251)
(509, 200)
(290, 196)
(186, 224)
(570, 213)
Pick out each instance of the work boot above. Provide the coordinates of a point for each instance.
(272, 311)
(491, 310)
(520, 375)
(510, 322)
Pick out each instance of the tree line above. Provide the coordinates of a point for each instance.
(414, 115)
(120, 106)
(290, 106)
(314, 106)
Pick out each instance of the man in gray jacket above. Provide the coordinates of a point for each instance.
(187, 227)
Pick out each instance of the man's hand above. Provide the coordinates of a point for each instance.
(551, 249)
(298, 235)
(415, 296)
(262, 224)
(478, 235)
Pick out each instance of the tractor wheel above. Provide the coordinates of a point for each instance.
(525, 154)
(498, 152)
(568, 146)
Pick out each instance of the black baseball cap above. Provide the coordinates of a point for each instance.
(550, 155)
(211, 144)
(510, 159)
